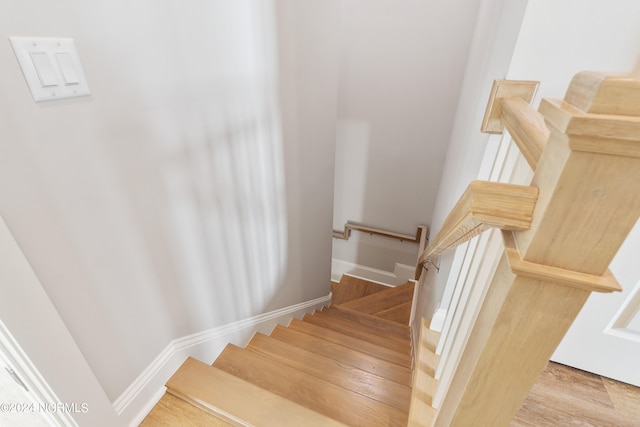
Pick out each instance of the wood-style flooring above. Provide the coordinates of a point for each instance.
(565, 396)
(562, 397)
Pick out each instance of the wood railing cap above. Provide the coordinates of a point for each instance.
(597, 93)
(611, 130)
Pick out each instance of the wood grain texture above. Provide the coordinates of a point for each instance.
(172, 411)
(345, 355)
(351, 288)
(237, 401)
(340, 374)
(387, 326)
(605, 283)
(355, 226)
(421, 413)
(381, 301)
(625, 398)
(400, 313)
(354, 343)
(358, 330)
(598, 93)
(565, 396)
(502, 89)
(311, 392)
(519, 326)
(483, 205)
(588, 202)
(527, 128)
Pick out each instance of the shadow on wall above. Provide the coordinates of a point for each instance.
(156, 208)
(228, 212)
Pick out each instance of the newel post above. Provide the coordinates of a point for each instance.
(588, 176)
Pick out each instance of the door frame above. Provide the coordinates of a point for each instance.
(41, 347)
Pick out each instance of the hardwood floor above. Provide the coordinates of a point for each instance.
(565, 396)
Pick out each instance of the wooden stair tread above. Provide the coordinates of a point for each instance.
(343, 375)
(351, 288)
(171, 411)
(239, 401)
(358, 330)
(355, 343)
(382, 300)
(385, 325)
(306, 390)
(399, 313)
(343, 354)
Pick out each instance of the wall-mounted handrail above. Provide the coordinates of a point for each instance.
(355, 226)
(482, 206)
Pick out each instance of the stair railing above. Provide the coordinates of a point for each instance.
(585, 153)
(419, 237)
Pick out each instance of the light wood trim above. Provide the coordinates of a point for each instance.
(424, 239)
(588, 177)
(501, 90)
(521, 322)
(589, 199)
(569, 120)
(598, 93)
(527, 128)
(355, 226)
(605, 283)
(237, 401)
(483, 205)
(421, 413)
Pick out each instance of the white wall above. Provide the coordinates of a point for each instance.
(401, 71)
(193, 188)
(495, 34)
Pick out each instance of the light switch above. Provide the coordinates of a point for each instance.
(65, 62)
(44, 69)
(51, 67)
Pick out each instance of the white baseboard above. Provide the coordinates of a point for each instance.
(142, 395)
(402, 273)
(437, 321)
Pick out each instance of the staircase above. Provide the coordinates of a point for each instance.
(349, 364)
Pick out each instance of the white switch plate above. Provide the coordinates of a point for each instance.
(59, 75)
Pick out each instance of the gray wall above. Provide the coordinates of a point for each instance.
(401, 71)
(193, 188)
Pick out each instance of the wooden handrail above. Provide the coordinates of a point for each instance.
(510, 109)
(483, 205)
(587, 170)
(527, 128)
(355, 226)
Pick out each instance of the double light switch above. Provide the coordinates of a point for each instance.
(51, 67)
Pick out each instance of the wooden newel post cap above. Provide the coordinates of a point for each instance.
(587, 175)
(596, 93)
